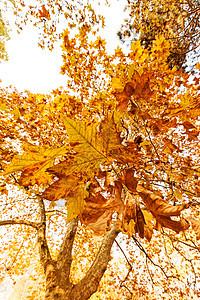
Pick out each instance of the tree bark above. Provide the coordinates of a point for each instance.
(64, 259)
(58, 285)
(84, 289)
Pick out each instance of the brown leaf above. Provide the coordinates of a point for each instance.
(162, 210)
(133, 212)
(195, 226)
(129, 180)
(188, 125)
(98, 210)
(124, 96)
(177, 226)
(60, 188)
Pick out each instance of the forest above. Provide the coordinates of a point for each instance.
(100, 179)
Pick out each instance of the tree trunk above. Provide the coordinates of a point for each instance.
(57, 273)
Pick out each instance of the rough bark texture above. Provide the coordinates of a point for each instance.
(64, 259)
(84, 289)
(58, 285)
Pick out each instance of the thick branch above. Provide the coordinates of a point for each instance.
(19, 222)
(45, 256)
(64, 259)
(89, 284)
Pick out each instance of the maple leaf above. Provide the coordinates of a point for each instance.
(133, 212)
(91, 147)
(76, 201)
(195, 226)
(111, 139)
(134, 219)
(129, 180)
(44, 13)
(162, 210)
(60, 188)
(85, 141)
(33, 164)
(98, 210)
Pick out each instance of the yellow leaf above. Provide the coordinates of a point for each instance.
(33, 164)
(178, 194)
(118, 84)
(131, 70)
(76, 202)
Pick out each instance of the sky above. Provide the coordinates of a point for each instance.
(31, 68)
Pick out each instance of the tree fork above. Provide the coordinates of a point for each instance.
(84, 289)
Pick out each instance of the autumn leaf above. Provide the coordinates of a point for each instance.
(162, 210)
(92, 147)
(132, 212)
(195, 226)
(33, 164)
(98, 209)
(60, 188)
(129, 180)
(76, 202)
(111, 140)
(86, 143)
(44, 13)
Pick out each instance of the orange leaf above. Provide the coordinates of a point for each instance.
(98, 210)
(163, 211)
(44, 13)
(129, 180)
(60, 188)
(195, 226)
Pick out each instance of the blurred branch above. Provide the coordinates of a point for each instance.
(19, 222)
(129, 269)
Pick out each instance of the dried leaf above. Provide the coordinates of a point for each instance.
(60, 188)
(98, 210)
(133, 212)
(162, 210)
(129, 180)
(195, 226)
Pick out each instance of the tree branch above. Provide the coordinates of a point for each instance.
(45, 256)
(19, 222)
(129, 269)
(90, 282)
(64, 259)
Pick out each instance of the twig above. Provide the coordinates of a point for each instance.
(149, 258)
(19, 222)
(129, 269)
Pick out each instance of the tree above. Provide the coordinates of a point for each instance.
(4, 36)
(178, 21)
(116, 151)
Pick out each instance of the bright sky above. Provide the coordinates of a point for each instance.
(37, 70)
(31, 68)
